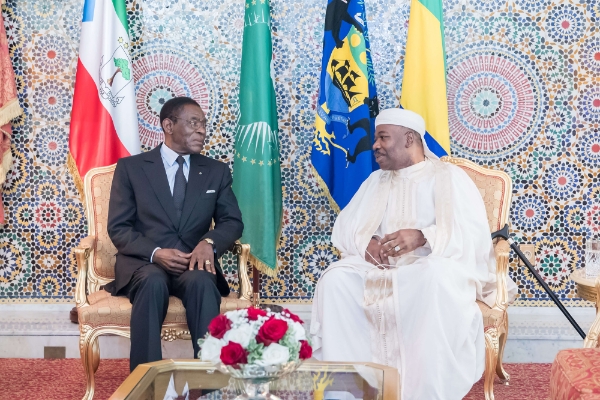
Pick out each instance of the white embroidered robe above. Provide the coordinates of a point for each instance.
(420, 317)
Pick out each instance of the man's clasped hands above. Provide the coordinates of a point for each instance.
(393, 244)
(176, 262)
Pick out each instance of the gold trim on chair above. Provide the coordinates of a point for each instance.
(491, 359)
(243, 252)
(591, 339)
(496, 317)
(502, 251)
(94, 281)
(505, 200)
(82, 257)
(98, 322)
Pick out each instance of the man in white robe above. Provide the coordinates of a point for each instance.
(416, 254)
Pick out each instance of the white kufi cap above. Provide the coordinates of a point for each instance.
(408, 119)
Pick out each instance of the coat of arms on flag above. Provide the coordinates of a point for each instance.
(347, 106)
(115, 74)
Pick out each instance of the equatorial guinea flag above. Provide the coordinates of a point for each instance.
(104, 123)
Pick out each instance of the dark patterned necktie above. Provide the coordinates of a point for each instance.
(179, 188)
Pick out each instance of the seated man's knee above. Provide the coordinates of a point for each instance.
(154, 280)
(199, 279)
(340, 280)
(440, 276)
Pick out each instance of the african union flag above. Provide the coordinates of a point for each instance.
(347, 107)
(424, 82)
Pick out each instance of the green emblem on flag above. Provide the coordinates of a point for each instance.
(256, 170)
(122, 67)
(115, 74)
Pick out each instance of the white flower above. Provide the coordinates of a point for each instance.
(274, 354)
(211, 350)
(241, 335)
(299, 332)
(237, 316)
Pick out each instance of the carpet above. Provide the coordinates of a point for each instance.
(26, 379)
(527, 382)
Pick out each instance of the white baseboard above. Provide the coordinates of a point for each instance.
(536, 334)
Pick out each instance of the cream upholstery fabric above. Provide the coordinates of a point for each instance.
(107, 310)
(105, 255)
(492, 189)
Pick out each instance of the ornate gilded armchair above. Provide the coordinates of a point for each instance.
(98, 312)
(496, 189)
(592, 338)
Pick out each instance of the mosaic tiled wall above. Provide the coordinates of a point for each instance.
(524, 96)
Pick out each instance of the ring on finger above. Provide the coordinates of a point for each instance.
(207, 262)
(397, 248)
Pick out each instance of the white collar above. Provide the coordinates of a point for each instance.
(170, 156)
(411, 169)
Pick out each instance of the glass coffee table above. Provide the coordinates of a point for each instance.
(313, 380)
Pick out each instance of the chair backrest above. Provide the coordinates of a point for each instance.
(495, 188)
(97, 184)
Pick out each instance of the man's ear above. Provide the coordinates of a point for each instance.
(167, 126)
(410, 139)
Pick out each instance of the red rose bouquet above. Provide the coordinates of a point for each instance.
(255, 337)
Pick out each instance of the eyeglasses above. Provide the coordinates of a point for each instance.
(193, 123)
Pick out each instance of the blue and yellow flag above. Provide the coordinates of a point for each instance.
(345, 123)
(424, 82)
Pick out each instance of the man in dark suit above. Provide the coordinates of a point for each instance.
(161, 206)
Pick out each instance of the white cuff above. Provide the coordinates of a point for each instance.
(152, 256)
(429, 234)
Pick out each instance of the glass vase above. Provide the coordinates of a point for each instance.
(592, 258)
(256, 390)
(255, 379)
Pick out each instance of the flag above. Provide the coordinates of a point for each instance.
(257, 172)
(9, 108)
(104, 123)
(347, 106)
(424, 82)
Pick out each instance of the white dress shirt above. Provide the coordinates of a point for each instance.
(169, 158)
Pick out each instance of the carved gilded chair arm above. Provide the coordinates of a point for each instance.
(82, 256)
(591, 339)
(243, 252)
(502, 251)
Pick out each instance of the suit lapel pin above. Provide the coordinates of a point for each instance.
(200, 173)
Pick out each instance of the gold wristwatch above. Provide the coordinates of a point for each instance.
(209, 241)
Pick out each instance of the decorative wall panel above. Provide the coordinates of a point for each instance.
(523, 95)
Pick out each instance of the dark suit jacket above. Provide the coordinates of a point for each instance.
(142, 215)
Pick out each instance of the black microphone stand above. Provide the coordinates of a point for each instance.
(503, 233)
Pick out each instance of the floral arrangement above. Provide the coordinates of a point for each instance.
(255, 337)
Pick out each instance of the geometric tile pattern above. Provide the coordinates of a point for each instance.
(523, 95)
